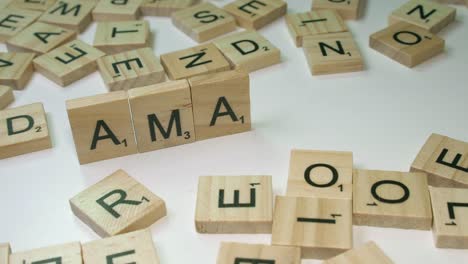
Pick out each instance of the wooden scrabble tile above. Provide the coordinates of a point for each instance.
(40, 38)
(68, 63)
(349, 9)
(118, 204)
(248, 51)
(230, 253)
(369, 253)
(25, 130)
(445, 161)
(221, 104)
(116, 37)
(164, 8)
(41, 5)
(407, 44)
(194, 61)
(71, 14)
(391, 199)
(136, 247)
(117, 10)
(234, 205)
(5, 252)
(321, 227)
(13, 21)
(314, 23)
(131, 69)
(204, 21)
(162, 115)
(67, 254)
(6, 96)
(425, 14)
(255, 14)
(322, 174)
(332, 53)
(450, 208)
(16, 69)
(102, 126)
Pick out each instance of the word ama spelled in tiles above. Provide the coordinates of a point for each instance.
(102, 126)
(445, 160)
(67, 254)
(117, 10)
(243, 204)
(24, 130)
(325, 174)
(16, 69)
(391, 199)
(118, 204)
(13, 21)
(369, 253)
(255, 14)
(68, 63)
(322, 228)
(167, 108)
(136, 247)
(238, 253)
(248, 51)
(203, 22)
(115, 37)
(71, 14)
(347, 9)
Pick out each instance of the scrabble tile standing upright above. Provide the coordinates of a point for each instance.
(204, 21)
(234, 205)
(391, 199)
(221, 104)
(324, 174)
(26, 130)
(40, 38)
(349, 9)
(131, 69)
(71, 14)
(369, 253)
(136, 247)
(445, 160)
(69, 253)
(6, 96)
(425, 14)
(332, 53)
(450, 227)
(255, 14)
(16, 69)
(313, 23)
(111, 10)
(102, 126)
(162, 115)
(230, 253)
(5, 252)
(118, 204)
(13, 21)
(164, 8)
(248, 51)
(68, 63)
(407, 44)
(194, 61)
(321, 227)
(116, 37)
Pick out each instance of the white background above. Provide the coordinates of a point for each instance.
(383, 115)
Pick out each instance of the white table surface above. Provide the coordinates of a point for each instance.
(383, 115)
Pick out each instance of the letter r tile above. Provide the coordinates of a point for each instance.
(234, 205)
(118, 204)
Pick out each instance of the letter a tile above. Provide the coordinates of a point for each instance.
(445, 160)
(450, 227)
(391, 199)
(322, 174)
(136, 247)
(118, 204)
(62, 254)
(234, 205)
(238, 253)
(23, 130)
(370, 253)
(321, 227)
(102, 126)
